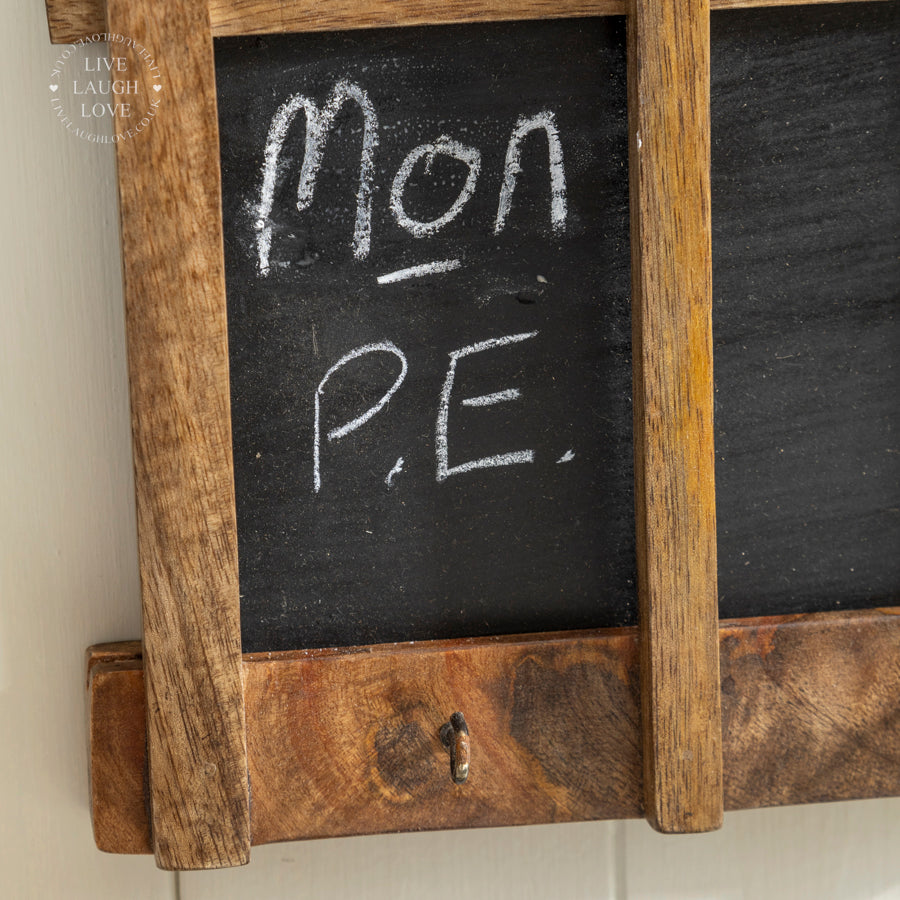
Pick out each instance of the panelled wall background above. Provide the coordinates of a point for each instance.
(68, 578)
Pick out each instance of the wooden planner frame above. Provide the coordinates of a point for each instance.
(346, 742)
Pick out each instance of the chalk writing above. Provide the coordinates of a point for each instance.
(319, 124)
(336, 433)
(512, 168)
(444, 470)
(443, 145)
(396, 470)
(441, 265)
(491, 399)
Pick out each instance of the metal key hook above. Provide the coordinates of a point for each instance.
(455, 737)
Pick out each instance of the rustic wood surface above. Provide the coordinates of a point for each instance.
(71, 20)
(675, 508)
(811, 708)
(261, 16)
(347, 741)
(117, 696)
(178, 372)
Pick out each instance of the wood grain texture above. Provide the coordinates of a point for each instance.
(116, 691)
(671, 273)
(72, 20)
(347, 741)
(234, 17)
(822, 721)
(178, 372)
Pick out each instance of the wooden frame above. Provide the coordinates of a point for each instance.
(70, 21)
(213, 717)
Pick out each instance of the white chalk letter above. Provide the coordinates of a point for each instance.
(504, 459)
(469, 155)
(335, 433)
(512, 168)
(318, 126)
(398, 468)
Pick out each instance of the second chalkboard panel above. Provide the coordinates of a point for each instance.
(806, 282)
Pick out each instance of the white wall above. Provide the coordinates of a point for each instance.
(68, 578)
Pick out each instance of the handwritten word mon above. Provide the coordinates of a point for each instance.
(319, 124)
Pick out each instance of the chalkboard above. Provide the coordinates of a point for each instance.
(429, 323)
(427, 267)
(806, 320)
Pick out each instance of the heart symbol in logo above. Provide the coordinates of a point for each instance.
(157, 87)
(54, 88)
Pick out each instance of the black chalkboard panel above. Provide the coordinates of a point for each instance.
(806, 272)
(362, 386)
(439, 452)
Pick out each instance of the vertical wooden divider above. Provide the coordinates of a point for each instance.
(169, 188)
(669, 154)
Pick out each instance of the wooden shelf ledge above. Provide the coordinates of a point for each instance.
(346, 741)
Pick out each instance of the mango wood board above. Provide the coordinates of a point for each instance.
(72, 20)
(346, 742)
